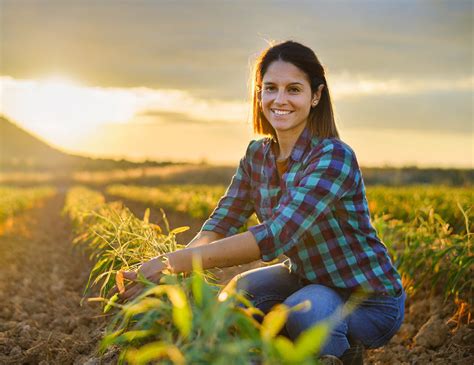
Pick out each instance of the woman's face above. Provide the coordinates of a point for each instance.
(286, 97)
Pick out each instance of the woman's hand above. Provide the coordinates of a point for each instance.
(151, 270)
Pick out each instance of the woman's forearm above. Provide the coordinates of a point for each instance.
(234, 250)
(204, 238)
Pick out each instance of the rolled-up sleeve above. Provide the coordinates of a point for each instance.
(236, 206)
(328, 176)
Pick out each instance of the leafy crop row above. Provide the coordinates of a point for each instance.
(427, 228)
(196, 200)
(185, 319)
(407, 202)
(14, 200)
(429, 254)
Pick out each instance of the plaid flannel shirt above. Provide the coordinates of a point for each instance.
(316, 214)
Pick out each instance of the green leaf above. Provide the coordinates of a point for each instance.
(182, 315)
(142, 305)
(274, 321)
(111, 302)
(146, 216)
(312, 340)
(155, 351)
(179, 230)
(133, 335)
(197, 287)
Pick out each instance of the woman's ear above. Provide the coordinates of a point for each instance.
(319, 91)
(317, 95)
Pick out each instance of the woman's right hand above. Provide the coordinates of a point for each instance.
(150, 270)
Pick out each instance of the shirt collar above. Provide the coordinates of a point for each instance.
(303, 142)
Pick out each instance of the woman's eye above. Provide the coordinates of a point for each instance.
(269, 88)
(294, 90)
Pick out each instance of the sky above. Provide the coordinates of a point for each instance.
(169, 79)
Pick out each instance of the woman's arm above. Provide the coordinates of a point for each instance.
(204, 238)
(234, 250)
(239, 249)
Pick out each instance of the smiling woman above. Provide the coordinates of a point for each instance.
(313, 209)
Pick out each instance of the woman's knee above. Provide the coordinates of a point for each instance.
(273, 280)
(324, 303)
(265, 286)
(322, 299)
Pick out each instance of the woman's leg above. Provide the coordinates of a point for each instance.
(377, 319)
(266, 286)
(373, 322)
(325, 302)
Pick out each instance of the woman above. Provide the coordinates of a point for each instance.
(305, 185)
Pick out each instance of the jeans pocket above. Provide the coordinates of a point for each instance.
(387, 336)
(390, 315)
(375, 320)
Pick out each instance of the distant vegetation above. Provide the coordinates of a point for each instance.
(23, 153)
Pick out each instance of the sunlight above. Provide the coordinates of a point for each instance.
(60, 109)
(103, 120)
(63, 111)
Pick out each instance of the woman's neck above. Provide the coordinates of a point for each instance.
(286, 142)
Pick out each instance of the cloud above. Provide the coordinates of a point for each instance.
(346, 85)
(203, 49)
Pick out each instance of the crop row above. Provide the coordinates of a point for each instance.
(403, 203)
(186, 318)
(14, 200)
(426, 228)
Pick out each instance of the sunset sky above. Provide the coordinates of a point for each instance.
(169, 80)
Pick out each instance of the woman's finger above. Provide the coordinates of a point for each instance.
(131, 292)
(130, 275)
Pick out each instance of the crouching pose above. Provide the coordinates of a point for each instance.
(307, 190)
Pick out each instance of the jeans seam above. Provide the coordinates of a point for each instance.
(267, 298)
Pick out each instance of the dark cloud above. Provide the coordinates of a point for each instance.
(206, 46)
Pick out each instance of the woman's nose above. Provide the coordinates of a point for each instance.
(280, 97)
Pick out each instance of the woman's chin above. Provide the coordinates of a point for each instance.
(282, 127)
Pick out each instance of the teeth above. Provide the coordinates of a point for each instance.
(281, 112)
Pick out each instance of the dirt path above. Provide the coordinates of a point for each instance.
(41, 281)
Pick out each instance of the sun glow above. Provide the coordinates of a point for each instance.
(60, 109)
(139, 121)
(65, 112)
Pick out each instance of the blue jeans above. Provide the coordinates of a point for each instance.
(374, 321)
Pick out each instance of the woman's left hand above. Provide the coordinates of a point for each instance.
(151, 270)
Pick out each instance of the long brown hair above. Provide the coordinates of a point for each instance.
(321, 118)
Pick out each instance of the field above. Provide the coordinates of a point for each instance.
(62, 248)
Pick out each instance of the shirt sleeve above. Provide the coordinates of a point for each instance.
(328, 176)
(236, 206)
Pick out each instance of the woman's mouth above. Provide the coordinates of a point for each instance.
(281, 112)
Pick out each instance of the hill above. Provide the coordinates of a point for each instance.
(20, 150)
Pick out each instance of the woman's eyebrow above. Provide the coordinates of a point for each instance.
(291, 83)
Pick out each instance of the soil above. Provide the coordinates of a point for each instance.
(41, 281)
(42, 322)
